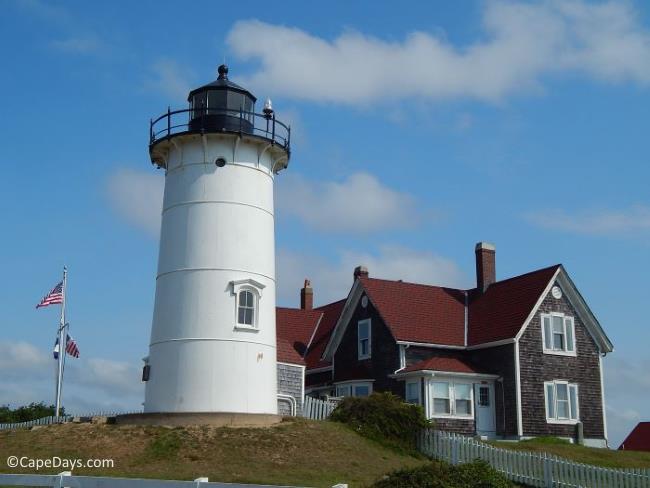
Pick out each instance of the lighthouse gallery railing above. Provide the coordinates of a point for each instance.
(178, 121)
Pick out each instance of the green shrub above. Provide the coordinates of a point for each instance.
(442, 475)
(383, 417)
(26, 413)
(478, 474)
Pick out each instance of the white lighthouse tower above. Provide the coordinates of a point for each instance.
(213, 342)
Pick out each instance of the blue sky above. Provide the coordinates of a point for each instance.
(417, 132)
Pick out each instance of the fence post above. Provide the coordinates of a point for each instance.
(454, 451)
(548, 472)
(198, 481)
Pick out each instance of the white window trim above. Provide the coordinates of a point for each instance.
(402, 357)
(255, 288)
(452, 399)
(352, 385)
(369, 354)
(573, 327)
(569, 421)
(418, 384)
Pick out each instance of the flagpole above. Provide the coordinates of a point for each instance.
(59, 378)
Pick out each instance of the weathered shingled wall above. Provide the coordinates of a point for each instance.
(290, 380)
(537, 367)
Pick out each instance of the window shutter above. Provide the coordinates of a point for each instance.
(573, 399)
(548, 333)
(568, 323)
(550, 400)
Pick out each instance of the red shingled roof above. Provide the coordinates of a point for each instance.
(287, 354)
(419, 313)
(436, 315)
(638, 439)
(331, 313)
(450, 364)
(500, 312)
(295, 328)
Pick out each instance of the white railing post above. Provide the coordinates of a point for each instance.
(62, 476)
(198, 481)
(340, 485)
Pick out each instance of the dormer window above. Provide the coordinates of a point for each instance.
(558, 334)
(247, 295)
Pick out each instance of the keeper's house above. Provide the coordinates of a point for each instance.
(516, 358)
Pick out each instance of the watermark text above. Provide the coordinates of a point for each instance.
(56, 462)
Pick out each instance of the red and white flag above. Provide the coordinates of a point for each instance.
(53, 297)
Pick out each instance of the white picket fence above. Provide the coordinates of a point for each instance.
(316, 409)
(60, 420)
(533, 469)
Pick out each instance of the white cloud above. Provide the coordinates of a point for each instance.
(137, 196)
(20, 358)
(171, 79)
(90, 384)
(522, 43)
(360, 204)
(117, 377)
(602, 222)
(332, 279)
(627, 395)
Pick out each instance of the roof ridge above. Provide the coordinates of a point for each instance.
(466, 289)
(330, 304)
(555, 266)
(416, 284)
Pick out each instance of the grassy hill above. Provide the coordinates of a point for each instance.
(295, 452)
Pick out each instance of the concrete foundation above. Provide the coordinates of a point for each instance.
(217, 419)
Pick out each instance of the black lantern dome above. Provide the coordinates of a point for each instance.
(222, 105)
(219, 107)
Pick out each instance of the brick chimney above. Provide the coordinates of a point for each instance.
(486, 273)
(307, 296)
(360, 272)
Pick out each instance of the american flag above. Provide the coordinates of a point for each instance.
(70, 347)
(53, 297)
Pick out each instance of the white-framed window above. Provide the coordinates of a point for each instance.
(247, 295)
(561, 400)
(364, 333)
(452, 399)
(413, 392)
(246, 308)
(360, 389)
(558, 334)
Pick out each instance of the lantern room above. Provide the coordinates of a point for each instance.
(222, 105)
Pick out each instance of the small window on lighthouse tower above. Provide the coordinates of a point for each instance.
(246, 295)
(246, 308)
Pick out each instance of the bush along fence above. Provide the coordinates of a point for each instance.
(533, 469)
(316, 409)
(63, 419)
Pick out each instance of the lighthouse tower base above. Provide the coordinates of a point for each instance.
(216, 419)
